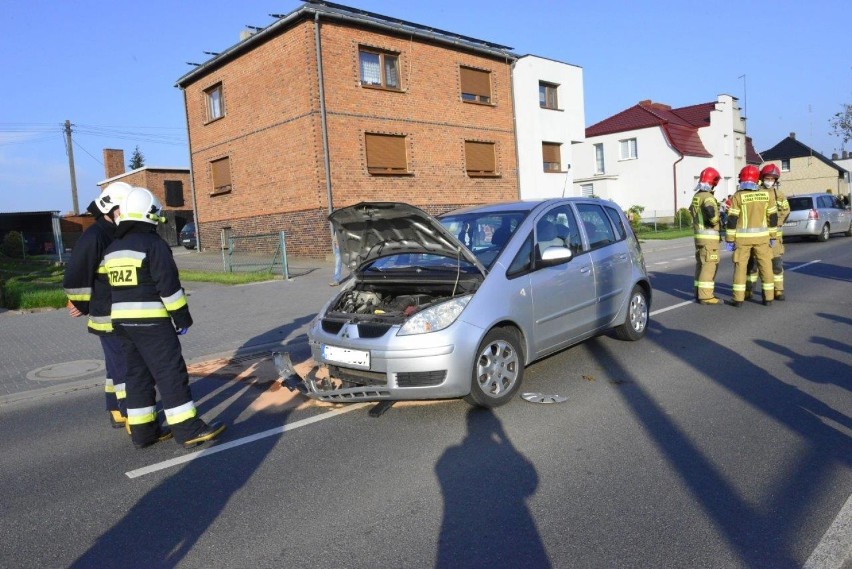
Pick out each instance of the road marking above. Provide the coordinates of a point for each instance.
(803, 266)
(672, 307)
(245, 440)
(835, 548)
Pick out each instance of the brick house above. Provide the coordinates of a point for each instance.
(329, 106)
(170, 185)
(804, 170)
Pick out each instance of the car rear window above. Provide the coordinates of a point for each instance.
(798, 204)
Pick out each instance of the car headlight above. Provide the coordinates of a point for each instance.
(435, 317)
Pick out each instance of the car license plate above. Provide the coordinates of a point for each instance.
(791, 224)
(346, 356)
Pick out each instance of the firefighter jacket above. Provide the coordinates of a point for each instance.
(783, 206)
(144, 278)
(705, 218)
(752, 217)
(84, 281)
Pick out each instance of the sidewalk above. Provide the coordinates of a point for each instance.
(229, 320)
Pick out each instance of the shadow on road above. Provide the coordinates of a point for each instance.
(485, 483)
(166, 523)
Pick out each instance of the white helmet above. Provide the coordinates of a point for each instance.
(141, 205)
(112, 196)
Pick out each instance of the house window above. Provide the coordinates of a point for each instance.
(587, 190)
(628, 149)
(385, 154)
(785, 165)
(547, 96)
(599, 159)
(738, 147)
(551, 155)
(379, 69)
(174, 193)
(221, 172)
(479, 158)
(215, 102)
(475, 85)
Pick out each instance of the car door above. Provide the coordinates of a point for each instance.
(610, 257)
(563, 296)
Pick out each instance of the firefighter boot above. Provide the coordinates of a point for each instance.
(779, 296)
(710, 301)
(209, 433)
(162, 434)
(734, 303)
(117, 420)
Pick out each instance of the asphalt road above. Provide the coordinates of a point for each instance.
(722, 439)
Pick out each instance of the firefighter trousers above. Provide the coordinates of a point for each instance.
(763, 259)
(154, 359)
(706, 265)
(116, 370)
(777, 269)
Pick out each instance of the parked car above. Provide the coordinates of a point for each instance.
(457, 306)
(187, 236)
(817, 215)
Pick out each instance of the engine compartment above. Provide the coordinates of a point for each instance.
(394, 302)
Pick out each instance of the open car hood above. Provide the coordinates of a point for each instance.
(369, 230)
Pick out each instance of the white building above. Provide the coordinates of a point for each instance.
(549, 121)
(651, 154)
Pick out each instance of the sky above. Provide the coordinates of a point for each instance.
(110, 68)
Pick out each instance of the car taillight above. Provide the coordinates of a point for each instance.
(813, 214)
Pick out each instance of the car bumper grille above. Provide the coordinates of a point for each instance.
(420, 378)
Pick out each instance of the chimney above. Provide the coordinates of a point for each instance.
(845, 154)
(793, 135)
(834, 156)
(246, 34)
(113, 162)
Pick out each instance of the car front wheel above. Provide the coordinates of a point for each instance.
(498, 369)
(636, 321)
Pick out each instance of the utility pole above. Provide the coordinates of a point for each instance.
(70, 152)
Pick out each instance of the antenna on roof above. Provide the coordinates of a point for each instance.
(210, 52)
(191, 63)
(255, 28)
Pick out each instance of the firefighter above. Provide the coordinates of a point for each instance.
(752, 222)
(770, 180)
(705, 225)
(88, 293)
(149, 311)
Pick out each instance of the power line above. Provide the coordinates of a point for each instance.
(87, 152)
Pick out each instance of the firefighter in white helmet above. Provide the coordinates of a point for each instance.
(149, 311)
(88, 292)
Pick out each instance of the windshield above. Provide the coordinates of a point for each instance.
(485, 233)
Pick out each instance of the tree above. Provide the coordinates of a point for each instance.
(137, 160)
(841, 124)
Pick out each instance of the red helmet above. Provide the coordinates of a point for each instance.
(770, 170)
(749, 174)
(709, 176)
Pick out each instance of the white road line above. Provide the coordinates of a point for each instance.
(803, 266)
(835, 548)
(245, 440)
(672, 307)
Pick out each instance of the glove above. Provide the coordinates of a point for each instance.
(181, 331)
(730, 246)
(772, 242)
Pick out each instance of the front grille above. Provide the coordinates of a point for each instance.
(331, 326)
(358, 376)
(372, 329)
(420, 378)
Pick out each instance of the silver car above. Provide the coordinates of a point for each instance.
(457, 306)
(817, 215)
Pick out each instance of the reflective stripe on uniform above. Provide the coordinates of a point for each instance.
(102, 269)
(767, 286)
(180, 413)
(733, 211)
(138, 310)
(100, 327)
(120, 391)
(142, 415)
(126, 256)
(108, 386)
(737, 287)
(705, 284)
(175, 301)
(81, 294)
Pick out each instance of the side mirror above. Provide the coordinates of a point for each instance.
(555, 256)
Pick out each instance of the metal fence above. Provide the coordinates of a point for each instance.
(656, 220)
(265, 252)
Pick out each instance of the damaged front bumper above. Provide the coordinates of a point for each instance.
(323, 388)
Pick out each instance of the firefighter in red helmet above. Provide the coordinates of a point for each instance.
(705, 225)
(752, 222)
(770, 181)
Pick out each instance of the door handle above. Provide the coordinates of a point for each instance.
(622, 256)
(585, 269)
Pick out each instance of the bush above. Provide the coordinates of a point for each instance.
(634, 215)
(683, 218)
(13, 245)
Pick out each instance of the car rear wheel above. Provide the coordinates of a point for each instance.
(636, 321)
(849, 231)
(498, 369)
(823, 234)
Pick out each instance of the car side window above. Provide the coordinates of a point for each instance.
(597, 226)
(558, 228)
(522, 263)
(615, 218)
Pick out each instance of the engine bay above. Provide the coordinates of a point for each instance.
(394, 302)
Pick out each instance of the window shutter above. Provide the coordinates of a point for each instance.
(475, 82)
(221, 174)
(385, 152)
(174, 193)
(550, 152)
(480, 156)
